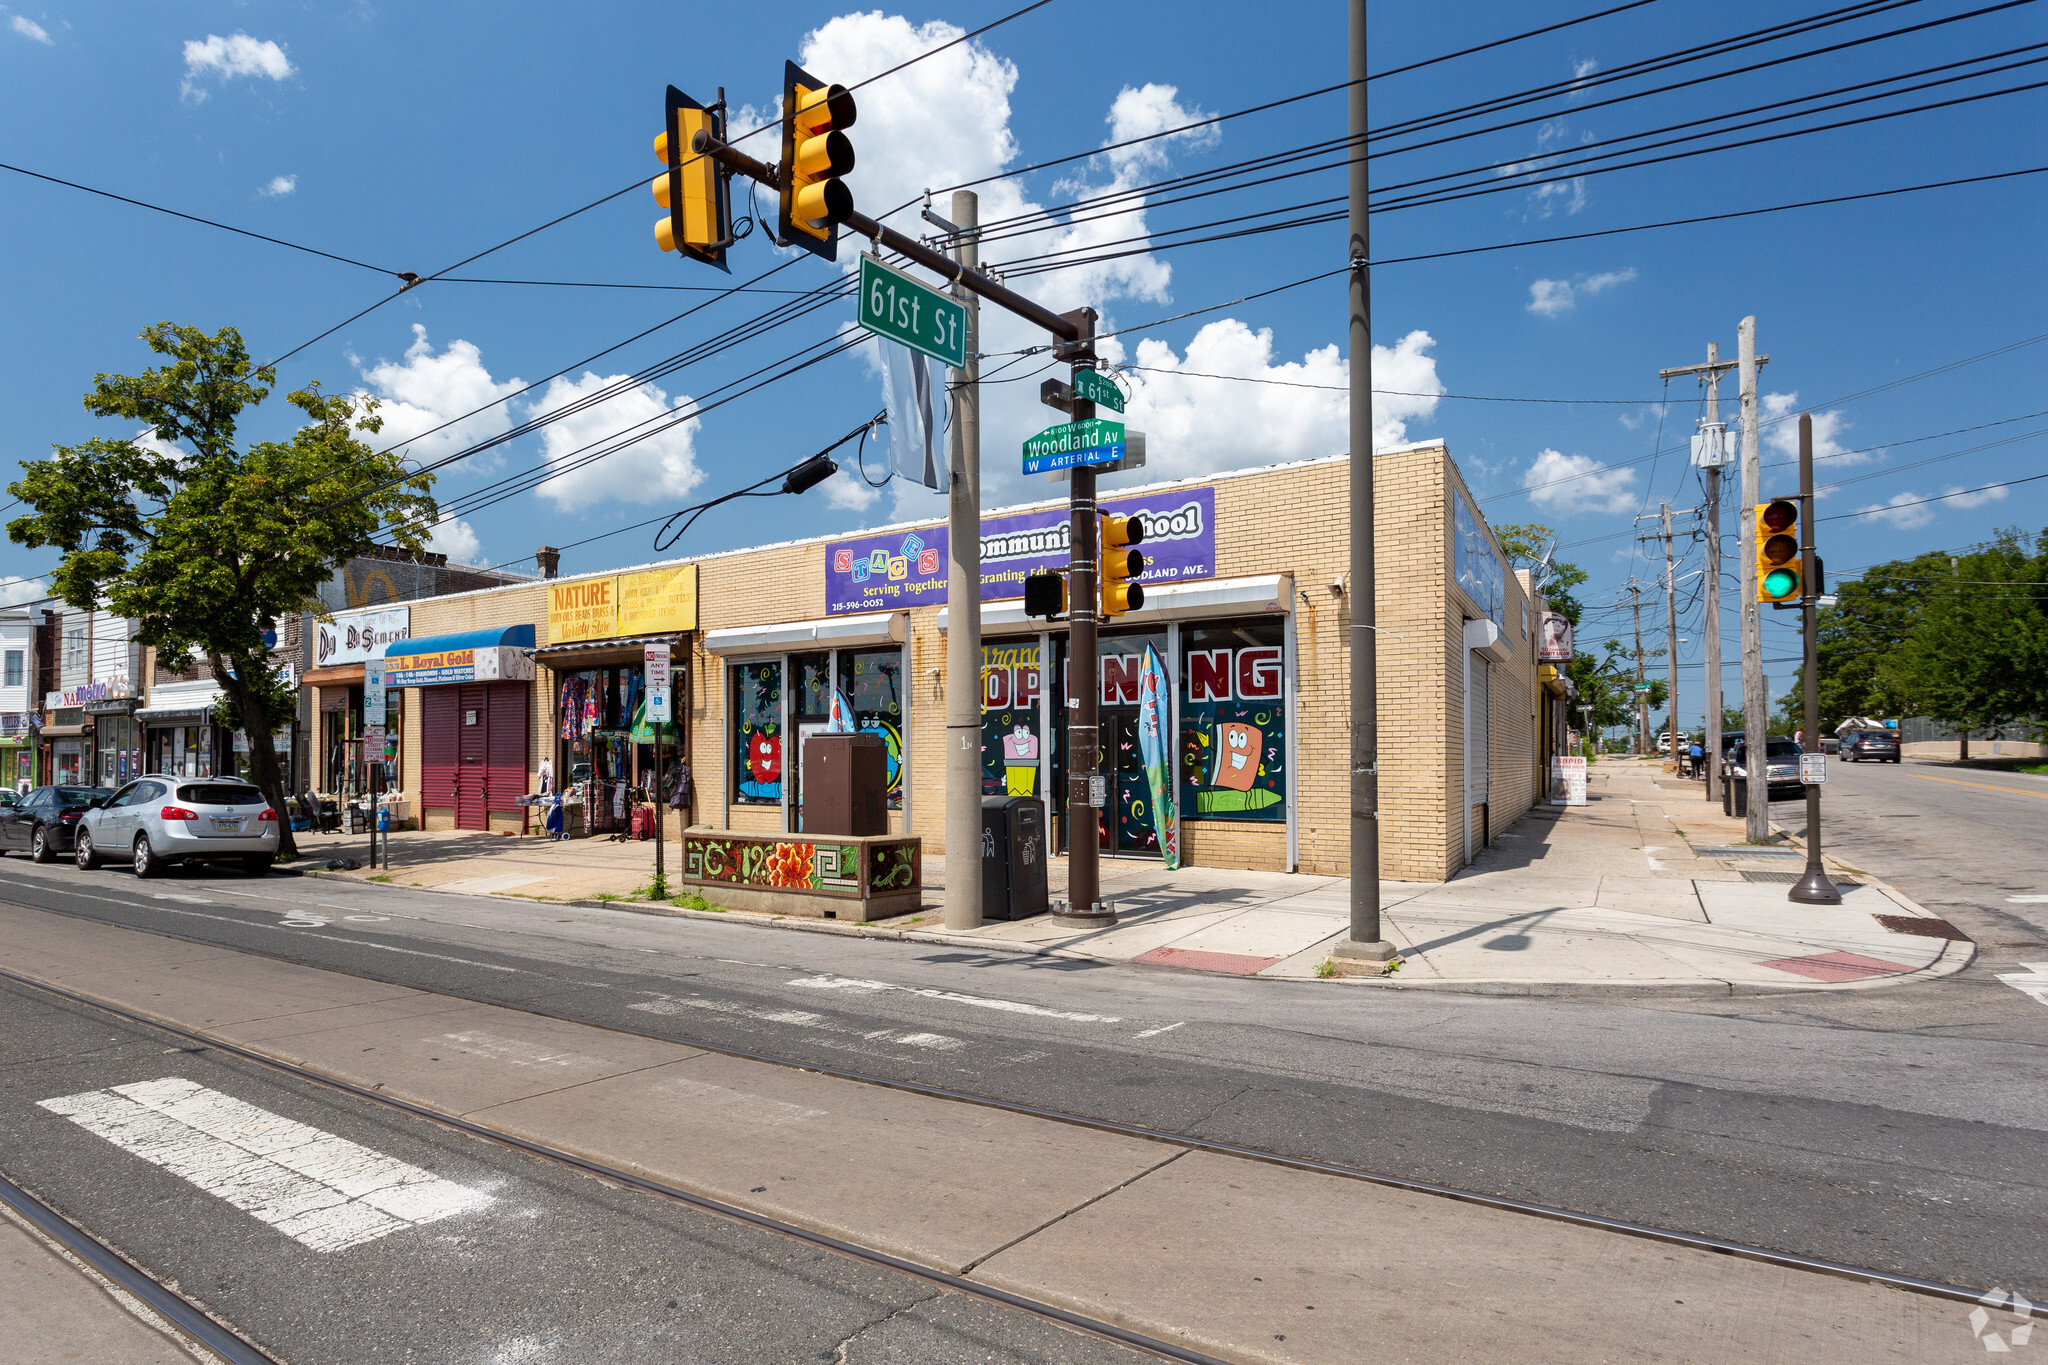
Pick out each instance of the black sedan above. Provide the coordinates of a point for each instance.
(1879, 745)
(42, 823)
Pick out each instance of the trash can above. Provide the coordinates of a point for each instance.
(1735, 796)
(1012, 857)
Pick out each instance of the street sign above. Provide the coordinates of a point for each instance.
(1094, 387)
(1095, 441)
(1813, 769)
(658, 696)
(894, 305)
(1134, 458)
(373, 692)
(1643, 687)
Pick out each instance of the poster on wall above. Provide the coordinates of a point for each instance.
(895, 570)
(1233, 723)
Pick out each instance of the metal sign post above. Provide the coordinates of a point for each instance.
(660, 703)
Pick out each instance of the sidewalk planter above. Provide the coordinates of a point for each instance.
(838, 877)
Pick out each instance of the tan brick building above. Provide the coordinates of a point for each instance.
(1247, 609)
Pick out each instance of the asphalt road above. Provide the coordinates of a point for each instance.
(1895, 1131)
(551, 1266)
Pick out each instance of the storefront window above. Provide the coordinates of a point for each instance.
(872, 680)
(1012, 682)
(813, 675)
(1233, 721)
(757, 733)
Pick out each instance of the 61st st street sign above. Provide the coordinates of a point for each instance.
(1095, 441)
(894, 305)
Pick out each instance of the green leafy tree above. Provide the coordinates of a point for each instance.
(206, 543)
(1976, 654)
(1873, 615)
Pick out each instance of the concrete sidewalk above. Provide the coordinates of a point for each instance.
(1237, 1258)
(1646, 889)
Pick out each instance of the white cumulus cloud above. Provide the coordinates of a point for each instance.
(1578, 483)
(279, 186)
(1778, 429)
(425, 390)
(458, 540)
(1909, 511)
(222, 59)
(27, 590)
(1229, 404)
(34, 32)
(1549, 298)
(662, 467)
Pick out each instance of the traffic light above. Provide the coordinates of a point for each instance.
(1777, 551)
(815, 154)
(1045, 594)
(1120, 590)
(699, 220)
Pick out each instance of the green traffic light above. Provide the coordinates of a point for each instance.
(1780, 583)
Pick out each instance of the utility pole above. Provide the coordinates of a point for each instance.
(1755, 705)
(1813, 887)
(1716, 455)
(1642, 698)
(963, 598)
(1087, 787)
(1671, 629)
(1366, 943)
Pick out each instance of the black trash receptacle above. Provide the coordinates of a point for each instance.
(1012, 857)
(1735, 797)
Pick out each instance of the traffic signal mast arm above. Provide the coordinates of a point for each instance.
(1038, 315)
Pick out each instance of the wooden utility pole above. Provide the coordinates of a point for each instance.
(1755, 704)
(1642, 697)
(1671, 629)
(1366, 942)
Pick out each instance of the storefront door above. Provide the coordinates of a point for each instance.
(473, 750)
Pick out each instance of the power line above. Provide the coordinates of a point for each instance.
(1404, 393)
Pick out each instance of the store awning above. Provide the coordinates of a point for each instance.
(1178, 601)
(834, 632)
(334, 675)
(500, 654)
(617, 649)
(186, 703)
(65, 731)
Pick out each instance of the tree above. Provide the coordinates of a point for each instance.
(1523, 543)
(1976, 655)
(1872, 616)
(204, 544)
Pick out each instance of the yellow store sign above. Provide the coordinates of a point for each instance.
(657, 602)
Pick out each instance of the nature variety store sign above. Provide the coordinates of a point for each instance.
(656, 602)
(898, 569)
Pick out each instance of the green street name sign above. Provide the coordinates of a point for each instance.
(894, 305)
(1095, 441)
(1093, 387)
(1642, 687)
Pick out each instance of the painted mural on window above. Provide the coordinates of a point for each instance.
(757, 737)
(1012, 682)
(1233, 722)
(1477, 564)
(872, 680)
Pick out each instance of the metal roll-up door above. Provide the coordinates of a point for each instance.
(472, 731)
(506, 747)
(440, 719)
(1482, 732)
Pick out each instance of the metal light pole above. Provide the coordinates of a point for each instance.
(1367, 942)
(963, 601)
(1813, 887)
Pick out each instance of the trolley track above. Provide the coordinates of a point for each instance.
(1623, 1227)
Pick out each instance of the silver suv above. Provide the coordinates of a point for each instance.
(154, 822)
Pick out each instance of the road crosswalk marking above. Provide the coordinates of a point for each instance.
(2032, 982)
(324, 1191)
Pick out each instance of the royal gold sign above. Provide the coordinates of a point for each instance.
(659, 601)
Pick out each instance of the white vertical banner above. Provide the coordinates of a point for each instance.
(659, 705)
(915, 392)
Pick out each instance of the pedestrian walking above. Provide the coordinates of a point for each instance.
(1694, 755)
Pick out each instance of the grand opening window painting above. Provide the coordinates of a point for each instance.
(1233, 722)
(757, 741)
(1011, 685)
(872, 680)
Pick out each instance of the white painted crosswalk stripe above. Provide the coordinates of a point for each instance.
(2032, 982)
(843, 983)
(324, 1191)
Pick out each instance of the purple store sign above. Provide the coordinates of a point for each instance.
(903, 569)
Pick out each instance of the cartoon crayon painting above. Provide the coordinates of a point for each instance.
(1236, 756)
(1020, 761)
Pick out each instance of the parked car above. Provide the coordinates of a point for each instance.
(42, 823)
(1881, 745)
(1781, 766)
(158, 822)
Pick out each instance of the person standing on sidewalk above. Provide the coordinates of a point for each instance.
(1693, 756)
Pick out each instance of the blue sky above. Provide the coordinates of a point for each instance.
(410, 137)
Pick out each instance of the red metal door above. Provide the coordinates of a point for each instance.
(473, 755)
(439, 762)
(505, 761)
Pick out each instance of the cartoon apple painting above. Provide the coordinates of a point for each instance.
(763, 767)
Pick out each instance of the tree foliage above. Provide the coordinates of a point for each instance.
(206, 543)
(1976, 654)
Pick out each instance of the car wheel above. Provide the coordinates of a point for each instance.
(39, 847)
(258, 864)
(147, 864)
(82, 851)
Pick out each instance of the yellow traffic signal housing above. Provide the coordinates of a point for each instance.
(1778, 577)
(1117, 580)
(699, 220)
(815, 154)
